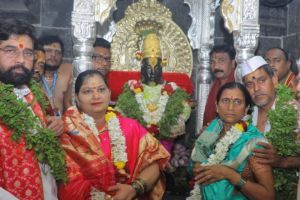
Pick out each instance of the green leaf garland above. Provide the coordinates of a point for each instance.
(173, 109)
(16, 116)
(130, 108)
(283, 121)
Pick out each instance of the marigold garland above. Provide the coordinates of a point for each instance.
(16, 116)
(129, 107)
(283, 121)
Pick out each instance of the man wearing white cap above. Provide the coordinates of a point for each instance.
(273, 108)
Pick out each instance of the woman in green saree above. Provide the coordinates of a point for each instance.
(224, 166)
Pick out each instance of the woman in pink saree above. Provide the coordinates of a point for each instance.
(108, 156)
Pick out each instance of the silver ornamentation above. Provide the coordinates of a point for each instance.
(241, 18)
(201, 35)
(84, 34)
(126, 42)
(104, 10)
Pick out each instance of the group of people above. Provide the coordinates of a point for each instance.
(249, 147)
(51, 149)
(88, 151)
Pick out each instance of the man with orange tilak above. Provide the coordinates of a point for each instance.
(275, 114)
(280, 62)
(57, 75)
(31, 158)
(38, 64)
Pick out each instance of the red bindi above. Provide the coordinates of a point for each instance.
(21, 46)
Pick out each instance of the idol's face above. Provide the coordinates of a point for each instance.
(151, 71)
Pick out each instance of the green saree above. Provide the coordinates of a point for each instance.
(237, 156)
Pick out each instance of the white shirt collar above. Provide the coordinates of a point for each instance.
(21, 91)
(255, 117)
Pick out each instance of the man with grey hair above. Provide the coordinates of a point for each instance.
(275, 115)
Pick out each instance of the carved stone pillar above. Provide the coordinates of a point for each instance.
(241, 19)
(84, 34)
(201, 35)
(106, 27)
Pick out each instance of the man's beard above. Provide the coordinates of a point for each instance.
(16, 79)
(51, 67)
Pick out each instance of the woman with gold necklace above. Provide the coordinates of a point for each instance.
(108, 156)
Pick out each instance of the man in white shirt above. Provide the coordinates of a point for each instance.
(261, 83)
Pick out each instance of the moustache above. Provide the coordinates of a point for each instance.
(18, 66)
(258, 94)
(51, 67)
(218, 70)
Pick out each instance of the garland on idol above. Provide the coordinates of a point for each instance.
(158, 118)
(220, 153)
(14, 113)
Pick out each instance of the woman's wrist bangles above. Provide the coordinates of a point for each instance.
(140, 186)
(240, 184)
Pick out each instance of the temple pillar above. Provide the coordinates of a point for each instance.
(201, 35)
(84, 34)
(241, 19)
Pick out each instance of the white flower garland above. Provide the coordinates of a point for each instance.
(117, 138)
(152, 117)
(221, 151)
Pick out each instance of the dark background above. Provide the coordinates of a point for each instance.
(279, 26)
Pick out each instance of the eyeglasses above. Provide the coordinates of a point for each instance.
(13, 52)
(100, 58)
(53, 51)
